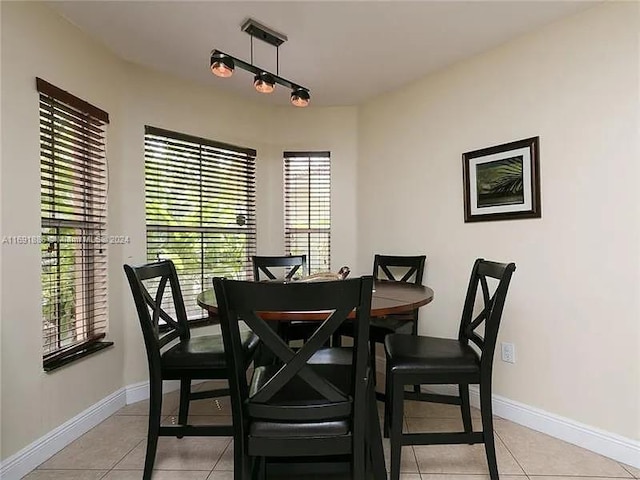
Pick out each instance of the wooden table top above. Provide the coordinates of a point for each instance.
(387, 298)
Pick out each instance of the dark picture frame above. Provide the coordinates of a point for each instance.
(502, 182)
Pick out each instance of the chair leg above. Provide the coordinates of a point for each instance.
(486, 412)
(359, 452)
(155, 409)
(387, 399)
(241, 462)
(336, 340)
(372, 353)
(358, 462)
(375, 451)
(254, 472)
(185, 392)
(414, 331)
(465, 407)
(261, 468)
(397, 415)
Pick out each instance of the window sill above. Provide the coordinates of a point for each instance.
(49, 365)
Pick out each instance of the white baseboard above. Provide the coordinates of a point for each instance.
(27, 459)
(140, 391)
(18, 465)
(605, 443)
(610, 445)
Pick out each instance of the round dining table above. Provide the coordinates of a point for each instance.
(387, 298)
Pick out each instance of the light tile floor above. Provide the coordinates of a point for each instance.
(114, 450)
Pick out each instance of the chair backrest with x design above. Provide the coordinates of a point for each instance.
(159, 327)
(238, 300)
(262, 264)
(398, 268)
(492, 306)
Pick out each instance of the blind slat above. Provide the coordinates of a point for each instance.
(307, 198)
(73, 204)
(200, 209)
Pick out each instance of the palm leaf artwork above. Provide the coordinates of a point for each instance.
(500, 182)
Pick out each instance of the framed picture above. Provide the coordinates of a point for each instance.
(502, 182)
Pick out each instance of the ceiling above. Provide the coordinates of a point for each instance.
(344, 52)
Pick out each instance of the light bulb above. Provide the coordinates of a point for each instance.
(222, 65)
(264, 82)
(300, 97)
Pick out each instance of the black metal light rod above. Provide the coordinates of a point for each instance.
(256, 71)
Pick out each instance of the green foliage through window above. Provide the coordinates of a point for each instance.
(200, 209)
(307, 205)
(73, 206)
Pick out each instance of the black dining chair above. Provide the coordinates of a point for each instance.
(393, 268)
(466, 360)
(264, 265)
(173, 354)
(315, 401)
(267, 268)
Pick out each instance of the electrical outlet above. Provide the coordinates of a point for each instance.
(508, 352)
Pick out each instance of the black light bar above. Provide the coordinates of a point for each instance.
(256, 71)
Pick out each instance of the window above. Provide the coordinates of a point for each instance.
(74, 207)
(200, 209)
(307, 207)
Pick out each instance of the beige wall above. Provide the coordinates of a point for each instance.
(573, 306)
(34, 403)
(1, 264)
(333, 129)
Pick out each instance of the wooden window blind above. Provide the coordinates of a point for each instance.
(200, 209)
(307, 207)
(74, 207)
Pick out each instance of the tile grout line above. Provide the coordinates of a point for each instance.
(415, 457)
(624, 467)
(495, 432)
(413, 450)
(220, 458)
(125, 455)
(105, 474)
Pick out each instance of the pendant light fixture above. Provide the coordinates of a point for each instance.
(300, 97)
(223, 65)
(264, 82)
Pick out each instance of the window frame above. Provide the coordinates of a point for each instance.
(73, 165)
(322, 204)
(209, 226)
